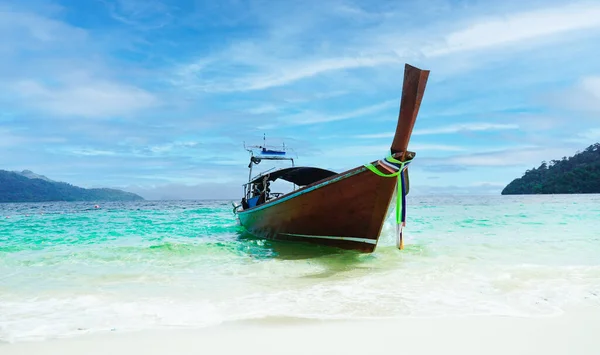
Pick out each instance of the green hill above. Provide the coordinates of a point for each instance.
(579, 174)
(30, 187)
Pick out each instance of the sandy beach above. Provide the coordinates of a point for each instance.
(572, 333)
(510, 282)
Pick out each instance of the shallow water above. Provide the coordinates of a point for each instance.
(68, 269)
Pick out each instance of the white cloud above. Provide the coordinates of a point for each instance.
(375, 135)
(41, 61)
(592, 135)
(592, 86)
(373, 45)
(93, 98)
(435, 147)
(23, 28)
(19, 137)
(262, 109)
(587, 137)
(169, 147)
(8, 138)
(356, 12)
(308, 117)
(142, 14)
(297, 71)
(91, 152)
(583, 96)
(507, 157)
(466, 127)
(279, 73)
(461, 127)
(176, 149)
(382, 150)
(519, 27)
(591, 93)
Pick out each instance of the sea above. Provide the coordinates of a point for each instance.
(68, 268)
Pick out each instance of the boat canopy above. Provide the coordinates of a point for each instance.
(299, 175)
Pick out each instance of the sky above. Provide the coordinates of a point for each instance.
(158, 97)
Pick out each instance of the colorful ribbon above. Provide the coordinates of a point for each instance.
(396, 168)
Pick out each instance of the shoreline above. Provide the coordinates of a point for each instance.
(569, 333)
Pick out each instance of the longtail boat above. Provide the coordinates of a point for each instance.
(345, 210)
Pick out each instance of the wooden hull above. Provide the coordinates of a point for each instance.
(345, 211)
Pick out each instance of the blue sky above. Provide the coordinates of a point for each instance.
(156, 97)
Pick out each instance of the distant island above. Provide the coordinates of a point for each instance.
(579, 174)
(27, 186)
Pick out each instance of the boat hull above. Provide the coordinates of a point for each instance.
(345, 211)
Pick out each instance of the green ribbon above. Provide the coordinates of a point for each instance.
(400, 187)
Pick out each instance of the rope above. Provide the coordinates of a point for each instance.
(397, 169)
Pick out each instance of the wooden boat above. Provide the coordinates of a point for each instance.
(345, 210)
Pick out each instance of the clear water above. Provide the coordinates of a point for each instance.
(68, 269)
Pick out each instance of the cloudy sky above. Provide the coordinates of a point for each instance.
(157, 97)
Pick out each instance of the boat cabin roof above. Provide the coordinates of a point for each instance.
(299, 175)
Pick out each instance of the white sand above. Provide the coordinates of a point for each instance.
(576, 333)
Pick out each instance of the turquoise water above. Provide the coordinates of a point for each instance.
(69, 269)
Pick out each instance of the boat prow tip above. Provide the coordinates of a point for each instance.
(413, 89)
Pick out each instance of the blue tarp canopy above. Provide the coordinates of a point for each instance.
(271, 152)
